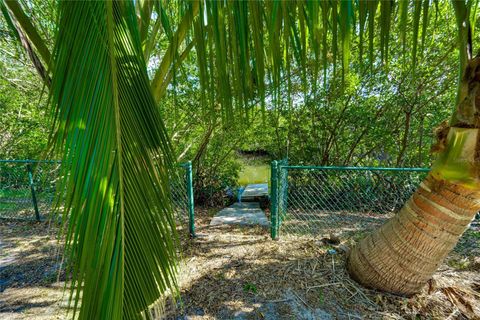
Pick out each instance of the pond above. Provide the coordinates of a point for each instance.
(254, 173)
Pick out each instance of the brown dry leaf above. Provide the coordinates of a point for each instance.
(432, 286)
(461, 299)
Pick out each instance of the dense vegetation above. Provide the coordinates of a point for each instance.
(381, 117)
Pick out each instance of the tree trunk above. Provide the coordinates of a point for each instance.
(402, 255)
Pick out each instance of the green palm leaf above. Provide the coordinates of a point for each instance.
(116, 157)
(282, 38)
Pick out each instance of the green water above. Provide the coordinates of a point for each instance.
(254, 173)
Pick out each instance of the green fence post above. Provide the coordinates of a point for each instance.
(191, 207)
(274, 200)
(32, 188)
(283, 190)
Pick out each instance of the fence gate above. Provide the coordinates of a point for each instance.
(346, 201)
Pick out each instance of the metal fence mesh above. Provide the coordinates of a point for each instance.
(178, 187)
(17, 178)
(27, 190)
(347, 202)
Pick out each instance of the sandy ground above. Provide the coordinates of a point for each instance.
(239, 273)
(30, 283)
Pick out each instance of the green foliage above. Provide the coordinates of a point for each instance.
(120, 231)
(291, 81)
(381, 116)
(210, 146)
(23, 123)
(23, 118)
(244, 47)
(250, 288)
(214, 178)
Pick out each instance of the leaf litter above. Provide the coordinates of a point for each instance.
(305, 278)
(240, 273)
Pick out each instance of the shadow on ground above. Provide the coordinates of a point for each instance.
(29, 265)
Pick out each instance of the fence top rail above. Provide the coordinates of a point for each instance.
(29, 161)
(333, 168)
(183, 165)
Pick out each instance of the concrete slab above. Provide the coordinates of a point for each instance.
(255, 191)
(245, 213)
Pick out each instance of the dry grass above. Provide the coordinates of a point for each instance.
(239, 273)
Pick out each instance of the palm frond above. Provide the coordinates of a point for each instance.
(253, 43)
(159, 80)
(16, 12)
(116, 154)
(22, 29)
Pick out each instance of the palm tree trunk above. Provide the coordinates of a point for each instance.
(402, 255)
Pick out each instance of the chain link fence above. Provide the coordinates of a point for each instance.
(27, 190)
(343, 201)
(181, 186)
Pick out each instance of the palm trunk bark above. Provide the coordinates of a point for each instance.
(403, 254)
